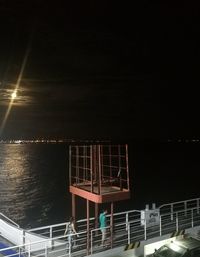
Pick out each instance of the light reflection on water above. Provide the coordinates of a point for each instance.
(33, 183)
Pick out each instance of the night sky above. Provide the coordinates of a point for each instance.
(99, 69)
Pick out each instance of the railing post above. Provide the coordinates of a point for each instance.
(24, 237)
(46, 253)
(172, 212)
(126, 221)
(51, 232)
(111, 226)
(69, 244)
(176, 221)
(145, 229)
(29, 250)
(129, 236)
(160, 226)
(185, 207)
(51, 235)
(91, 246)
(192, 218)
(198, 205)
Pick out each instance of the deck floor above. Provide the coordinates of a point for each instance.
(104, 189)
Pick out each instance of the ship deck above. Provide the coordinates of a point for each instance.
(130, 231)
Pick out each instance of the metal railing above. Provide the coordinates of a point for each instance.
(127, 227)
(4, 217)
(176, 206)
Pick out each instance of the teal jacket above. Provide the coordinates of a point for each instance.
(102, 220)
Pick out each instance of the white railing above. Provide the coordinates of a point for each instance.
(50, 231)
(4, 217)
(177, 206)
(123, 234)
(58, 229)
(127, 227)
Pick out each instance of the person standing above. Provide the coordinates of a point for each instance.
(70, 229)
(103, 225)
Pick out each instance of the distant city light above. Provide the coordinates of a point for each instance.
(195, 140)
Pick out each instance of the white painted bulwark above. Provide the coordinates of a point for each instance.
(11, 232)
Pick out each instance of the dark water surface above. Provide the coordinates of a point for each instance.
(34, 179)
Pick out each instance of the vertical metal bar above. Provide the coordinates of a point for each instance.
(88, 226)
(46, 253)
(119, 167)
(101, 159)
(128, 227)
(127, 168)
(70, 244)
(50, 232)
(192, 214)
(95, 168)
(160, 225)
(198, 205)
(99, 165)
(94, 161)
(177, 221)
(145, 229)
(84, 164)
(126, 220)
(129, 234)
(91, 243)
(171, 206)
(185, 207)
(70, 165)
(91, 169)
(96, 214)
(111, 224)
(74, 206)
(24, 237)
(51, 235)
(29, 250)
(110, 162)
(77, 164)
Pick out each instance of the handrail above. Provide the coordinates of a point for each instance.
(83, 220)
(173, 203)
(44, 227)
(38, 242)
(8, 219)
(118, 214)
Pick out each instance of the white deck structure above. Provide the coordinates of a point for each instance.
(134, 231)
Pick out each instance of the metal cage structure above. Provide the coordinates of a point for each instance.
(99, 173)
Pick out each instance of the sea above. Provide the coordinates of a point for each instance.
(34, 179)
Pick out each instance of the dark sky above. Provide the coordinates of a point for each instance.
(99, 69)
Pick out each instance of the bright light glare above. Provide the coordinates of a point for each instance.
(175, 247)
(14, 95)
